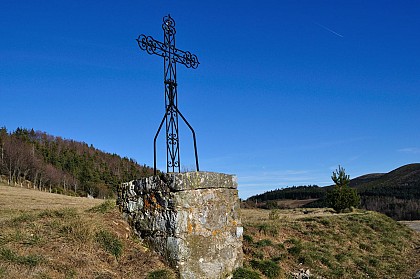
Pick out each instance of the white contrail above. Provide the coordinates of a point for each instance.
(328, 29)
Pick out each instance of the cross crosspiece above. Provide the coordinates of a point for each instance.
(171, 56)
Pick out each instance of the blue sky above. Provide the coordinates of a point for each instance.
(285, 92)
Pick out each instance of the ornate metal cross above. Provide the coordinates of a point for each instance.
(171, 55)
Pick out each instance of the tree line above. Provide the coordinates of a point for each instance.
(396, 194)
(36, 159)
(292, 193)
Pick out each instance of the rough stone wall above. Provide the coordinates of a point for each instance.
(192, 219)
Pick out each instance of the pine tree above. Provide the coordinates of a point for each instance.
(342, 197)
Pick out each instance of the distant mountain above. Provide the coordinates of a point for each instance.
(365, 179)
(396, 194)
(35, 159)
(403, 183)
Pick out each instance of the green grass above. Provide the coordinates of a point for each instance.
(266, 267)
(24, 217)
(2, 272)
(64, 213)
(161, 274)
(353, 245)
(245, 273)
(110, 243)
(76, 230)
(248, 238)
(70, 273)
(263, 243)
(12, 257)
(104, 207)
(21, 237)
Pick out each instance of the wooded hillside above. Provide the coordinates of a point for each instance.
(39, 160)
(396, 194)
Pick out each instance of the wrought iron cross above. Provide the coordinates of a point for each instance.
(171, 55)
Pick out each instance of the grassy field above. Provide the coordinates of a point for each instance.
(45, 235)
(361, 244)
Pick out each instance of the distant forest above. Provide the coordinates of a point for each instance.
(396, 194)
(35, 159)
(291, 193)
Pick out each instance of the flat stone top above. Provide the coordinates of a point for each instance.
(181, 182)
(201, 180)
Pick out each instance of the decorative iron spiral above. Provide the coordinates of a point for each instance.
(174, 164)
(172, 138)
(168, 25)
(147, 43)
(191, 60)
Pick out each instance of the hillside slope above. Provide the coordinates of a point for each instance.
(36, 159)
(403, 183)
(362, 244)
(396, 194)
(45, 235)
(365, 179)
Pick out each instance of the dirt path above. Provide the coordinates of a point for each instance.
(415, 225)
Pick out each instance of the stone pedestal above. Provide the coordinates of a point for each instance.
(192, 219)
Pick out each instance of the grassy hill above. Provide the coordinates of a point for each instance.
(45, 235)
(396, 194)
(362, 244)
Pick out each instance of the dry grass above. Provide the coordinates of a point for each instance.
(17, 198)
(256, 215)
(361, 244)
(46, 235)
(287, 203)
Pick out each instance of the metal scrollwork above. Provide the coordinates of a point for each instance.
(165, 50)
(191, 60)
(168, 25)
(171, 56)
(151, 45)
(147, 43)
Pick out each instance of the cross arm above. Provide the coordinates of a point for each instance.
(153, 46)
(187, 58)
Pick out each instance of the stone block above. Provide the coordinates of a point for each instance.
(192, 219)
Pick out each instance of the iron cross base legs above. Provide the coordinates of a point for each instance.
(169, 110)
